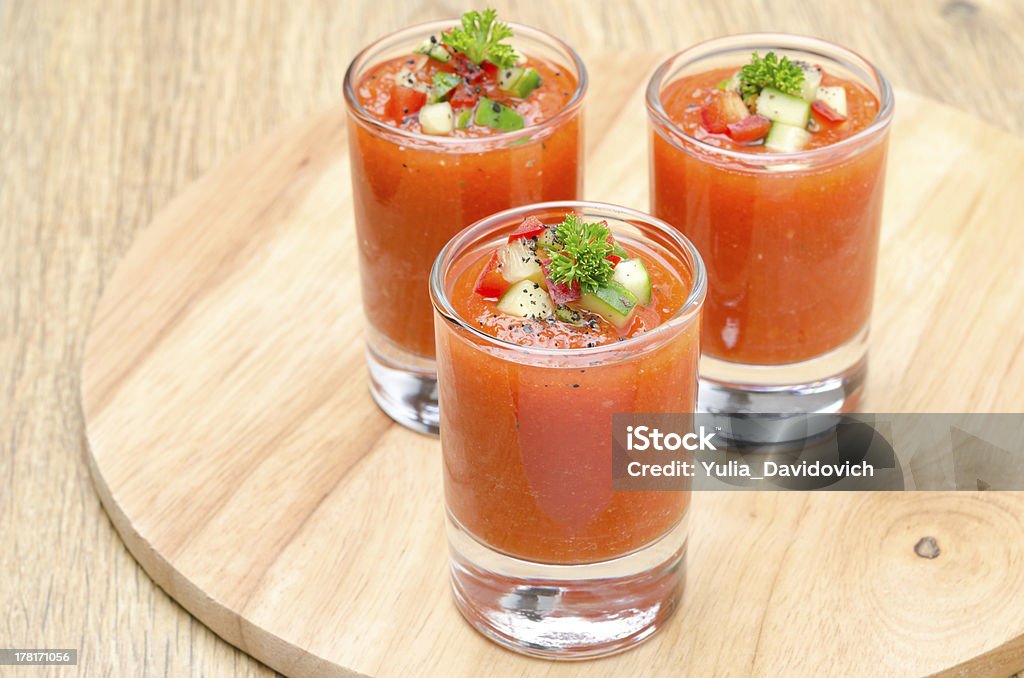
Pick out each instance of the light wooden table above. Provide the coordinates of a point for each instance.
(106, 114)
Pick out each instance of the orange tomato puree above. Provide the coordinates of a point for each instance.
(528, 446)
(790, 253)
(411, 198)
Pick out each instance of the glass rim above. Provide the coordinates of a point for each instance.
(886, 104)
(364, 117)
(685, 313)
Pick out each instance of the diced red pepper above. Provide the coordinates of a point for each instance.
(825, 113)
(404, 101)
(750, 128)
(464, 96)
(531, 226)
(492, 283)
(614, 258)
(560, 293)
(724, 109)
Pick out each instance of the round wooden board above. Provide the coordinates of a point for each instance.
(234, 444)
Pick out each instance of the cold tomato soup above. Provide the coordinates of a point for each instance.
(526, 440)
(438, 142)
(790, 249)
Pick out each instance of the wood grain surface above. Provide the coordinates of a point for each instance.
(238, 453)
(108, 110)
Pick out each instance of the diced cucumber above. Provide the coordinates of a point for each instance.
(812, 79)
(619, 251)
(464, 117)
(433, 49)
(437, 118)
(520, 262)
(786, 138)
(780, 107)
(495, 115)
(632, 274)
(613, 302)
(529, 82)
(731, 84)
(835, 97)
(508, 77)
(519, 81)
(406, 78)
(546, 239)
(443, 84)
(568, 315)
(527, 299)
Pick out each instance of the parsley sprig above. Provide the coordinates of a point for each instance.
(480, 38)
(578, 255)
(782, 74)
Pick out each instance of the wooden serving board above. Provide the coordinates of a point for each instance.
(235, 446)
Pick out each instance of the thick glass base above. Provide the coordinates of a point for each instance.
(567, 611)
(779, 394)
(404, 386)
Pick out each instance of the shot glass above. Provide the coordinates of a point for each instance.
(790, 240)
(412, 192)
(548, 558)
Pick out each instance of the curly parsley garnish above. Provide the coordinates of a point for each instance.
(578, 255)
(782, 74)
(480, 39)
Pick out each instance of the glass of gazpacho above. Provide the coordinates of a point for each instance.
(448, 122)
(549, 319)
(768, 152)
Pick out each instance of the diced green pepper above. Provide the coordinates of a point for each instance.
(495, 115)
